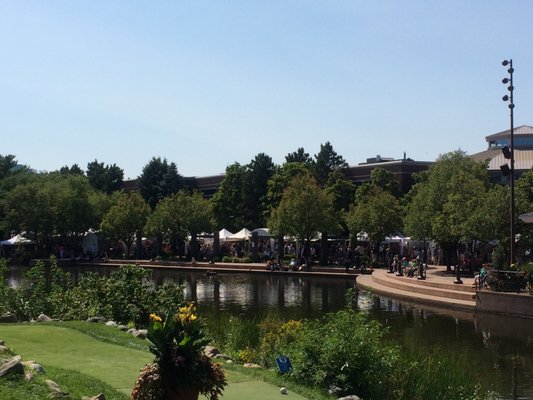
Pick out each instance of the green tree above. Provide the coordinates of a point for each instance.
(227, 201)
(326, 161)
(450, 195)
(378, 214)
(43, 205)
(524, 204)
(106, 178)
(181, 214)
(255, 189)
(304, 211)
(299, 156)
(74, 170)
(385, 180)
(158, 180)
(7, 165)
(125, 218)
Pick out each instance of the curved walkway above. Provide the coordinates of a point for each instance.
(437, 289)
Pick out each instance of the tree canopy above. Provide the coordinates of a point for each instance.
(158, 180)
(304, 211)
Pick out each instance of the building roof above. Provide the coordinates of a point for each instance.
(523, 160)
(519, 130)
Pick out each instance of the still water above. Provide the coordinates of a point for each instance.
(499, 349)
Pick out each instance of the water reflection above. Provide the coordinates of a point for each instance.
(498, 348)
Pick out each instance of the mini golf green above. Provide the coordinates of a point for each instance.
(116, 365)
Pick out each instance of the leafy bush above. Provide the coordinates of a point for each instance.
(275, 339)
(227, 259)
(345, 351)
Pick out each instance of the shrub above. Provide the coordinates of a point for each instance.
(227, 259)
(344, 350)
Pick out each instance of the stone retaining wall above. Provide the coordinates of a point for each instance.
(505, 303)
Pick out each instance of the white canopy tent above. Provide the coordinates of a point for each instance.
(243, 234)
(224, 234)
(262, 232)
(15, 240)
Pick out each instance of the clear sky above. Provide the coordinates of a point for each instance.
(208, 83)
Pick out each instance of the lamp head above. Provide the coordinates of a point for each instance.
(505, 80)
(505, 98)
(505, 62)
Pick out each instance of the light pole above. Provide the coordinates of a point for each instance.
(509, 153)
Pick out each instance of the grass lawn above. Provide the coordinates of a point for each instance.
(70, 349)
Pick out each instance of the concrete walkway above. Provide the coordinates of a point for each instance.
(437, 289)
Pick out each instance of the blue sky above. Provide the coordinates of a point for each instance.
(208, 83)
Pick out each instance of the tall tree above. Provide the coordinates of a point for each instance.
(450, 195)
(326, 161)
(385, 180)
(304, 211)
(125, 218)
(8, 165)
(328, 169)
(227, 201)
(106, 178)
(255, 189)
(178, 215)
(74, 170)
(43, 205)
(158, 180)
(299, 156)
(378, 214)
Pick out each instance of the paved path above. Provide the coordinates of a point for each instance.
(437, 289)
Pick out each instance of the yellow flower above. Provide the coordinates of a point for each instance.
(155, 317)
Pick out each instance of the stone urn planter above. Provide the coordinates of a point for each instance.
(181, 370)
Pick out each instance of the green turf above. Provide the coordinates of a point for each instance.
(115, 365)
(70, 349)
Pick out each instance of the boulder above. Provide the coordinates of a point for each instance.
(2, 343)
(111, 323)
(35, 367)
(211, 351)
(251, 365)
(123, 328)
(141, 333)
(350, 397)
(283, 390)
(3, 349)
(8, 317)
(222, 356)
(43, 318)
(12, 366)
(52, 386)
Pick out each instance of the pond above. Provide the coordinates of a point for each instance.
(499, 348)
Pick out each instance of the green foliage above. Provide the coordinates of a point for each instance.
(304, 211)
(42, 205)
(181, 214)
(177, 341)
(158, 180)
(378, 214)
(125, 218)
(227, 201)
(344, 350)
(128, 295)
(107, 179)
(71, 381)
(326, 161)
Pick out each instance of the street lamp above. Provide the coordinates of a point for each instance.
(508, 152)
